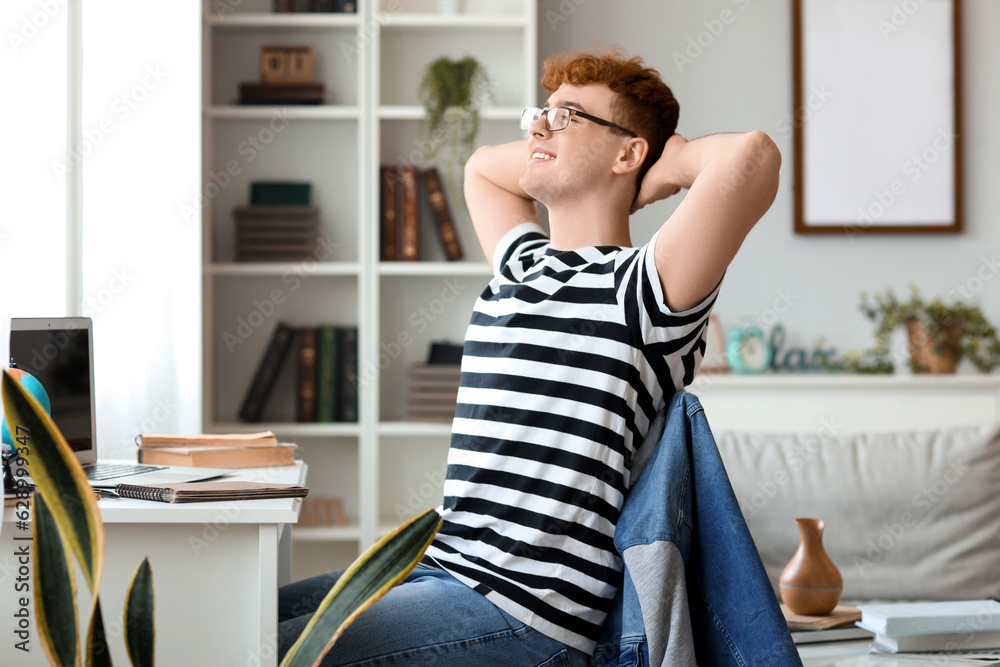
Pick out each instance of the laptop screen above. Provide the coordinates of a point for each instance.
(57, 353)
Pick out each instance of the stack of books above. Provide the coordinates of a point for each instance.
(957, 627)
(279, 225)
(216, 450)
(432, 392)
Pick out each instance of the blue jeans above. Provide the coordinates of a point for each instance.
(429, 619)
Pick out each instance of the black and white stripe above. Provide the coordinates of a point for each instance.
(561, 376)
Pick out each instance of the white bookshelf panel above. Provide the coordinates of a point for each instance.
(236, 59)
(246, 311)
(411, 476)
(283, 149)
(333, 473)
(416, 311)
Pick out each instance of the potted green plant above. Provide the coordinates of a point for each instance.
(940, 334)
(451, 91)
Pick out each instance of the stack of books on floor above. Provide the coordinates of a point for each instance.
(279, 225)
(215, 450)
(326, 373)
(968, 629)
(838, 625)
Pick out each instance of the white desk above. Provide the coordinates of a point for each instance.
(216, 568)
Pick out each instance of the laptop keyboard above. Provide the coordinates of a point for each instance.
(100, 471)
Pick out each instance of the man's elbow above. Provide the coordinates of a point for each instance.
(761, 155)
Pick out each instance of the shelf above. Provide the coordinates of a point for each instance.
(841, 381)
(389, 21)
(434, 269)
(289, 429)
(326, 533)
(416, 112)
(414, 429)
(249, 269)
(292, 111)
(271, 20)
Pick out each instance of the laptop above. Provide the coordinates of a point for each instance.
(59, 353)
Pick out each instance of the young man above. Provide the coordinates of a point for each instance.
(573, 347)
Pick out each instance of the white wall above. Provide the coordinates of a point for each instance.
(743, 81)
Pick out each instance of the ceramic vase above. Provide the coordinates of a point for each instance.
(810, 584)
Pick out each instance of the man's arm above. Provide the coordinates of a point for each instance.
(493, 193)
(732, 180)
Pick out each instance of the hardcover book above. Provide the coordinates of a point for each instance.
(267, 372)
(926, 618)
(410, 223)
(308, 352)
(219, 456)
(442, 214)
(347, 387)
(326, 381)
(389, 205)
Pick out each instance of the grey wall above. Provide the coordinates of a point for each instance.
(742, 81)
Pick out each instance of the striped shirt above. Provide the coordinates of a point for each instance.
(561, 377)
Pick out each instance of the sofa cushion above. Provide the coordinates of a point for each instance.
(909, 515)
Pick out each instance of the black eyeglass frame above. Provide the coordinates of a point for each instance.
(544, 113)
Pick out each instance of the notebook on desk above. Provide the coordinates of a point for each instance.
(59, 353)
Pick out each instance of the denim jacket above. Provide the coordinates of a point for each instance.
(694, 588)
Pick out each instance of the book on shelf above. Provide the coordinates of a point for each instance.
(253, 92)
(432, 392)
(326, 374)
(275, 233)
(347, 375)
(442, 214)
(403, 189)
(266, 375)
(280, 193)
(927, 618)
(409, 230)
(389, 205)
(307, 384)
(219, 456)
(199, 492)
(949, 641)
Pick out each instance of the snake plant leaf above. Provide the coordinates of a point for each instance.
(382, 566)
(98, 654)
(139, 601)
(59, 479)
(55, 589)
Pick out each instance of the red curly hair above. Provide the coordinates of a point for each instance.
(643, 102)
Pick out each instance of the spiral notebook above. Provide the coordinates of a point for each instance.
(200, 492)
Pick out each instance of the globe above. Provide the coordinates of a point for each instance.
(33, 387)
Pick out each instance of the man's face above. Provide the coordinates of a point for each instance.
(564, 163)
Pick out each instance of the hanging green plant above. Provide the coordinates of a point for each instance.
(451, 92)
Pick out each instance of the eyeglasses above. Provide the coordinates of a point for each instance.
(557, 118)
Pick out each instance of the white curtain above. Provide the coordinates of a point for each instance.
(140, 159)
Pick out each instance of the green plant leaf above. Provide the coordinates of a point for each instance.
(98, 654)
(59, 479)
(140, 634)
(377, 570)
(55, 588)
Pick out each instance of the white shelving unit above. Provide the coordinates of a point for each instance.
(382, 467)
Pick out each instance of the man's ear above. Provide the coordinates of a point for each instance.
(632, 155)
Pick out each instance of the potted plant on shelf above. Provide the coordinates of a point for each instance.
(940, 334)
(451, 92)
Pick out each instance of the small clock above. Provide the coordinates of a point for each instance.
(747, 351)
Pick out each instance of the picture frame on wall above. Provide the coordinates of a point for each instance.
(877, 116)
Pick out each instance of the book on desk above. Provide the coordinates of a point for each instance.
(211, 450)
